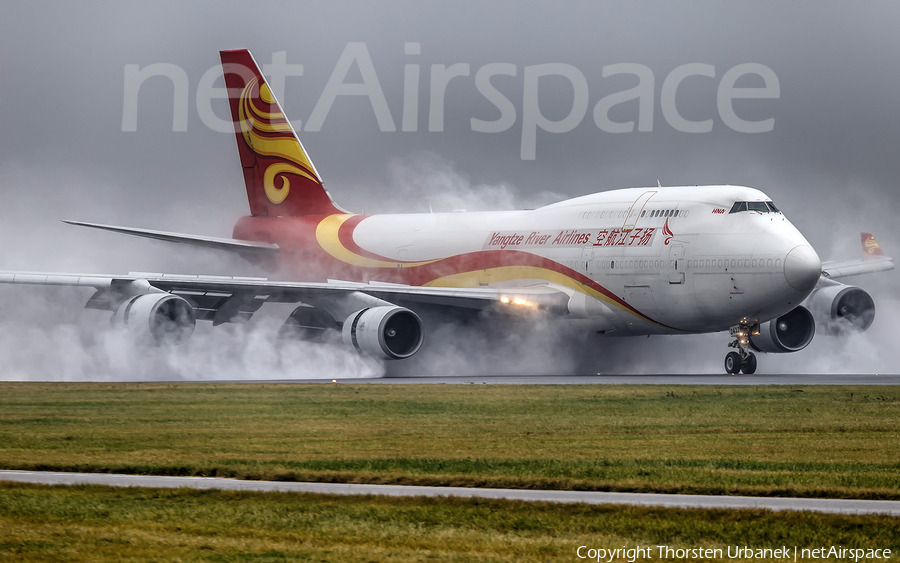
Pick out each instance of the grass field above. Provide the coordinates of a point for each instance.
(820, 441)
(96, 524)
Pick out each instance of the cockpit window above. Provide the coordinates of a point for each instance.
(758, 206)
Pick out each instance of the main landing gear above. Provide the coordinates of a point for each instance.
(743, 360)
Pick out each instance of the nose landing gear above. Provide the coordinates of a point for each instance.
(743, 360)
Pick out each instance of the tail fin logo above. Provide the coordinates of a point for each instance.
(870, 245)
(268, 133)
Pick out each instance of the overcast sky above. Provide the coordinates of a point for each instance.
(829, 159)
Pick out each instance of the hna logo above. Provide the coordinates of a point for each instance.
(719, 211)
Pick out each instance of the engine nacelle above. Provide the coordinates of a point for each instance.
(161, 318)
(839, 308)
(391, 332)
(790, 332)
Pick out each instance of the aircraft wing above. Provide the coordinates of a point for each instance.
(234, 299)
(874, 260)
(835, 270)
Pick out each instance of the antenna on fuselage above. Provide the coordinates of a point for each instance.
(658, 183)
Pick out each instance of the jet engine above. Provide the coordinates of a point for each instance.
(161, 318)
(390, 332)
(790, 332)
(839, 308)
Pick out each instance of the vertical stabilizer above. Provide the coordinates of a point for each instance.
(870, 245)
(280, 177)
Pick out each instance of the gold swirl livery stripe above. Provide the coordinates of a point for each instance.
(513, 273)
(327, 237)
(269, 134)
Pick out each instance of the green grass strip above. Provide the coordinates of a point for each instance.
(820, 441)
(99, 524)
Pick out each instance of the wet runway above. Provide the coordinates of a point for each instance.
(836, 506)
(712, 379)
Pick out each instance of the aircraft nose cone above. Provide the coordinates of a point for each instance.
(802, 268)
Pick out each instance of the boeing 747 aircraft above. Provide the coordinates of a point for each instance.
(637, 261)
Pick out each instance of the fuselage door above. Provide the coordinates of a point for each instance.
(587, 262)
(635, 212)
(676, 264)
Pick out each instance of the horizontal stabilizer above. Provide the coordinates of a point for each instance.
(244, 246)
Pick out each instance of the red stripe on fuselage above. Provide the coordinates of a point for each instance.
(345, 237)
(303, 259)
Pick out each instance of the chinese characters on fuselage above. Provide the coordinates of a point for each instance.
(572, 237)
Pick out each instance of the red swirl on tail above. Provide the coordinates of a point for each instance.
(281, 179)
(870, 245)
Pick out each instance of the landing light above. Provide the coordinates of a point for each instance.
(518, 301)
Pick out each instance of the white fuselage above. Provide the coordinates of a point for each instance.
(677, 256)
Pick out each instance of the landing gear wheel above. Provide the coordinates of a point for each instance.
(733, 363)
(748, 366)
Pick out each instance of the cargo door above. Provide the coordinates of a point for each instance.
(641, 298)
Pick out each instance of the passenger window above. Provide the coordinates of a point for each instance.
(643, 213)
(676, 213)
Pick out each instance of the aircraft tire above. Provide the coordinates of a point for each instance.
(748, 366)
(733, 363)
